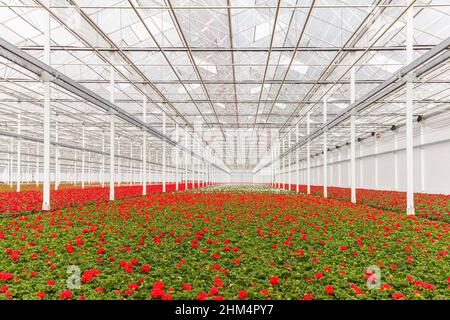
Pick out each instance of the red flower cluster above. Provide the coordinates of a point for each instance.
(220, 245)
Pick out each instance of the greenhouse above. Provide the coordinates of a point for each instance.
(224, 149)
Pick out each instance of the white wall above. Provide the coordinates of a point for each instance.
(241, 177)
(435, 167)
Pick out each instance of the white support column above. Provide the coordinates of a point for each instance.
(204, 168)
(282, 161)
(396, 161)
(186, 158)
(279, 164)
(144, 148)
(289, 161)
(409, 115)
(103, 160)
(308, 155)
(164, 155)
(119, 162)
(83, 178)
(36, 174)
(131, 177)
(297, 162)
(56, 153)
(28, 166)
(177, 174)
(76, 167)
(422, 158)
(47, 101)
(272, 171)
(352, 139)
(82, 157)
(89, 169)
(19, 151)
(376, 162)
(325, 151)
(192, 147)
(11, 160)
(339, 167)
(112, 136)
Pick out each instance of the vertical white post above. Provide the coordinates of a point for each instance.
(325, 151)
(36, 177)
(176, 158)
(339, 167)
(28, 166)
(396, 160)
(308, 156)
(56, 153)
(272, 171)
(131, 180)
(19, 151)
(281, 164)
(422, 158)
(164, 155)
(11, 155)
(89, 169)
(46, 168)
(144, 148)
(289, 162)
(352, 138)
(186, 159)
(112, 136)
(297, 162)
(103, 160)
(119, 162)
(82, 156)
(198, 164)
(376, 162)
(192, 163)
(409, 115)
(76, 167)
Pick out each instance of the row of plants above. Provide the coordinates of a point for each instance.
(223, 245)
(434, 206)
(31, 201)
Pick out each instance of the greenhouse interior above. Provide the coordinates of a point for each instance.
(224, 150)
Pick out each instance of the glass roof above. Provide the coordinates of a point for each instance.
(244, 71)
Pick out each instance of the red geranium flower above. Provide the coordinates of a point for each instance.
(319, 275)
(218, 282)
(329, 289)
(274, 280)
(187, 286)
(213, 291)
(66, 294)
(242, 294)
(202, 296)
(397, 295)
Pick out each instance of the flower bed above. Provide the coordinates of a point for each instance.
(435, 206)
(224, 246)
(27, 201)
